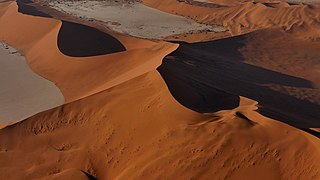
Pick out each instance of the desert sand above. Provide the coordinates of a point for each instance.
(241, 17)
(241, 107)
(78, 75)
(304, 1)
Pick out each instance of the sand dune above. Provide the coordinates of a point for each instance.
(157, 133)
(76, 78)
(125, 120)
(228, 2)
(206, 76)
(241, 17)
(304, 1)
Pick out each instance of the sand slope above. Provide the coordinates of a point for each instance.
(243, 16)
(282, 74)
(75, 77)
(151, 134)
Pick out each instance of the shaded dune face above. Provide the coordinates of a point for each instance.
(205, 3)
(75, 39)
(203, 76)
(79, 77)
(25, 7)
(79, 41)
(191, 92)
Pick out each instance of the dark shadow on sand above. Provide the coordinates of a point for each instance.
(75, 39)
(209, 76)
(89, 176)
(78, 40)
(26, 7)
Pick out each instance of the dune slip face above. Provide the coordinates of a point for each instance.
(23, 93)
(77, 40)
(94, 136)
(209, 76)
(79, 69)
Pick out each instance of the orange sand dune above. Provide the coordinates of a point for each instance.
(155, 135)
(77, 78)
(240, 17)
(125, 123)
(277, 68)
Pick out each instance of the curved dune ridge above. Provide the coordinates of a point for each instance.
(76, 78)
(204, 76)
(155, 133)
(275, 65)
(244, 16)
(121, 121)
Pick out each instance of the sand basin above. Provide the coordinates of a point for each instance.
(134, 19)
(23, 93)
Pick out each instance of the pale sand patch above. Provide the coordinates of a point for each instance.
(23, 93)
(134, 19)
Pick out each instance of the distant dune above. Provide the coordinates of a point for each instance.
(242, 17)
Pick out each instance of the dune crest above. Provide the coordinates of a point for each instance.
(96, 137)
(95, 73)
(242, 17)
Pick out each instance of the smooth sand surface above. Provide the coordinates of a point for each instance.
(134, 19)
(23, 93)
